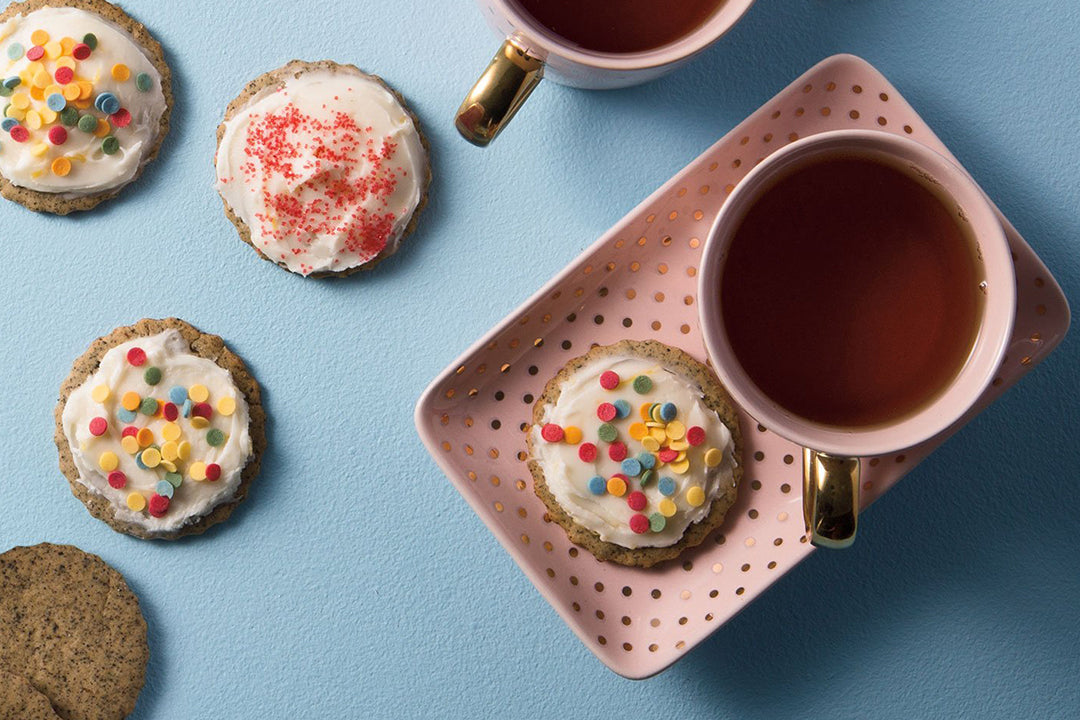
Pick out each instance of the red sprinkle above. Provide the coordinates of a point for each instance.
(136, 356)
(64, 75)
(695, 435)
(35, 53)
(609, 380)
(117, 479)
(98, 426)
(121, 118)
(130, 430)
(552, 433)
(667, 455)
(170, 411)
(639, 524)
(57, 135)
(159, 505)
(617, 451)
(606, 412)
(20, 134)
(79, 52)
(637, 500)
(213, 472)
(202, 410)
(587, 452)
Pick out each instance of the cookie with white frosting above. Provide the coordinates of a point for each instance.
(85, 100)
(160, 429)
(322, 168)
(635, 450)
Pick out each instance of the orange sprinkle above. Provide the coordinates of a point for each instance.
(61, 166)
(103, 128)
(39, 37)
(120, 72)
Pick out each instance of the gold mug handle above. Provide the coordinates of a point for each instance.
(830, 499)
(507, 83)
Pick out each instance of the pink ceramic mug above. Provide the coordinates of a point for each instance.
(531, 51)
(831, 465)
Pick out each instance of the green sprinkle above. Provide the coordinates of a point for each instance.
(174, 479)
(91, 40)
(647, 476)
(607, 432)
(69, 116)
(6, 108)
(5, 91)
(110, 145)
(148, 406)
(215, 438)
(88, 123)
(642, 384)
(152, 375)
(657, 522)
(143, 82)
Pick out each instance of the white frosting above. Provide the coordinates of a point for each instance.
(567, 476)
(325, 171)
(169, 352)
(92, 170)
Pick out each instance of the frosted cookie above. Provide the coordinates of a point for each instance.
(634, 448)
(160, 429)
(85, 100)
(322, 168)
(72, 629)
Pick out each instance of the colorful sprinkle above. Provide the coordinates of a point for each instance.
(695, 435)
(213, 472)
(136, 355)
(668, 455)
(185, 409)
(622, 409)
(609, 380)
(125, 415)
(183, 450)
(121, 118)
(679, 467)
(631, 467)
(129, 430)
(639, 523)
(170, 412)
(667, 508)
(117, 480)
(136, 502)
(616, 486)
(646, 477)
(587, 452)
(197, 471)
(21, 134)
(63, 75)
(145, 436)
(198, 393)
(178, 394)
(204, 410)
(148, 406)
(120, 72)
(5, 91)
(638, 430)
(667, 486)
(130, 444)
(607, 432)
(606, 412)
(57, 135)
(108, 461)
(647, 460)
(151, 457)
(675, 430)
(199, 422)
(657, 522)
(110, 145)
(159, 505)
(69, 116)
(551, 432)
(695, 496)
(227, 406)
(15, 51)
(174, 478)
(152, 375)
(637, 500)
(130, 401)
(8, 123)
(642, 384)
(88, 123)
(215, 438)
(39, 37)
(597, 485)
(35, 53)
(617, 451)
(668, 412)
(99, 426)
(169, 450)
(713, 457)
(164, 488)
(143, 82)
(571, 434)
(90, 40)
(81, 51)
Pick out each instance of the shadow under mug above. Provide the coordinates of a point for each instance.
(531, 52)
(831, 454)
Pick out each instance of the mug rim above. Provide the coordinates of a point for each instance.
(995, 326)
(686, 46)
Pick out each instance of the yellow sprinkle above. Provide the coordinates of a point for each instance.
(170, 431)
(638, 431)
(151, 458)
(197, 471)
(679, 468)
(616, 486)
(33, 69)
(130, 444)
(571, 434)
(678, 445)
(659, 434)
(655, 414)
(650, 443)
(52, 89)
(676, 430)
(20, 101)
(82, 104)
(695, 496)
(120, 73)
(103, 128)
(227, 406)
(19, 115)
(37, 93)
(86, 89)
(61, 166)
(53, 50)
(183, 450)
(39, 149)
(130, 400)
(108, 461)
(169, 450)
(42, 79)
(37, 173)
(67, 44)
(39, 37)
(48, 115)
(145, 437)
(199, 423)
(100, 394)
(713, 457)
(667, 508)
(168, 465)
(136, 502)
(198, 393)
(70, 92)
(33, 119)
(654, 423)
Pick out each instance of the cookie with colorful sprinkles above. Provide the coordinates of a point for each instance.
(160, 429)
(322, 168)
(85, 99)
(635, 450)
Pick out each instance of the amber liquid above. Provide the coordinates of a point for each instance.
(620, 26)
(851, 292)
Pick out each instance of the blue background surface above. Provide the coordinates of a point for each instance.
(355, 581)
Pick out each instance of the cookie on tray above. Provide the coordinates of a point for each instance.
(322, 168)
(72, 629)
(634, 449)
(160, 429)
(85, 98)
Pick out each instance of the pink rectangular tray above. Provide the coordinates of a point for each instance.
(638, 281)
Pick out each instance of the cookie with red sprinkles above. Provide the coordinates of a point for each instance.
(322, 168)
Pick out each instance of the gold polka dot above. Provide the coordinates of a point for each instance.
(830, 86)
(825, 112)
(654, 647)
(854, 114)
(882, 121)
(856, 89)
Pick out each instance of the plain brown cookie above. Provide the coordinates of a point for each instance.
(202, 344)
(20, 701)
(72, 627)
(277, 78)
(715, 398)
(54, 202)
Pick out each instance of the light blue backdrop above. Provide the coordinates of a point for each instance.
(355, 581)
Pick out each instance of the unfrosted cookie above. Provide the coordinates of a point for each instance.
(20, 701)
(160, 429)
(85, 98)
(322, 168)
(72, 627)
(635, 448)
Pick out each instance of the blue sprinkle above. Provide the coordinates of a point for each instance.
(597, 485)
(56, 102)
(667, 486)
(143, 82)
(125, 415)
(139, 462)
(164, 487)
(668, 412)
(177, 394)
(622, 408)
(15, 51)
(12, 82)
(7, 123)
(186, 409)
(101, 98)
(110, 105)
(647, 460)
(631, 467)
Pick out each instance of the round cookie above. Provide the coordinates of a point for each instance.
(20, 701)
(322, 168)
(85, 100)
(160, 429)
(635, 450)
(72, 627)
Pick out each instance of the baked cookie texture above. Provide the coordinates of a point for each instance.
(71, 628)
(204, 345)
(59, 203)
(714, 397)
(276, 79)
